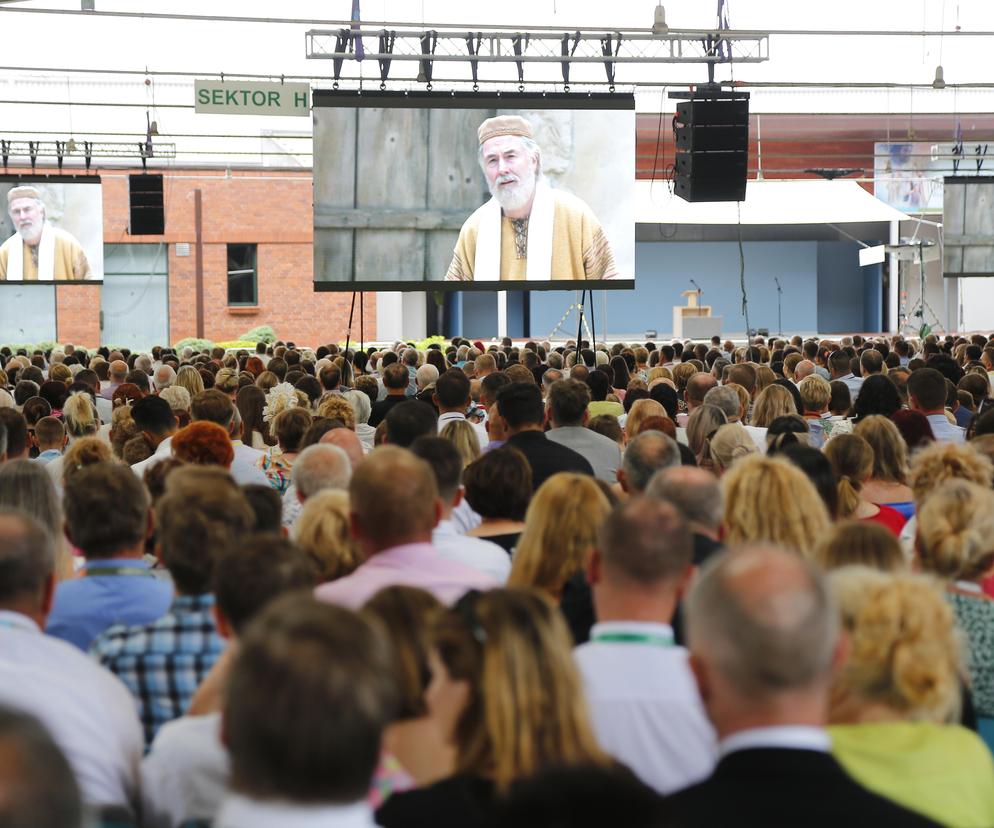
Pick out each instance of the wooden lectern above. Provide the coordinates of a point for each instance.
(689, 311)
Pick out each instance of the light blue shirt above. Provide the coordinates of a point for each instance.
(85, 607)
(945, 431)
(48, 456)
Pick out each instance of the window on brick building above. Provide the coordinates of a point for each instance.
(242, 276)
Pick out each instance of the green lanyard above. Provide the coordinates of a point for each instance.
(654, 640)
(118, 570)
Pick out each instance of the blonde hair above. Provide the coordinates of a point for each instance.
(336, 407)
(743, 395)
(463, 436)
(701, 424)
(956, 530)
(189, 378)
(944, 461)
(770, 499)
(772, 402)
(641, 411)
(85, 452)
(526, 708)
(561, 527)
(658, 372)
(903, 649)
(890, 452)
(852, 461)
(60, 373)
(815, 391)
(765, 378)
(322, 531)
(729, 443)
(79, 415)
(681, 373)
(860, 543)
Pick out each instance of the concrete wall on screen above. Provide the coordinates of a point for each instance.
(663, 271)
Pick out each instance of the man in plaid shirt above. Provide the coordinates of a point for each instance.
(162, 663)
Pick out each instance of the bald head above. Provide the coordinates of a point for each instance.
(643, 542)
(694, 492)
(320, 467)
(762, 619)
(118, 371)
(347, 440)
(805, 368)
(697, 386)
(394, 499)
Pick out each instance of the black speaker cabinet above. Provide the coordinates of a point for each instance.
(711, 133)
(148, 217)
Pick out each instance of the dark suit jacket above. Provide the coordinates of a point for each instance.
(783, 788)
(548, 458)
(381, 408)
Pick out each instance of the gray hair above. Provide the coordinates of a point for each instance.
(177, 397)
(411, 358)
(164, 377)
(532, 148)
(647, 454)
(321, 466)
(727, 399)
(764, 619)
(550, 376)
(555, 360)
(25, 486)
(144, 363)
(359, 400)
(427, 374)
(694, 492)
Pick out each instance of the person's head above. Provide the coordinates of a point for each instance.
(608, 426)
(204, 444)
(393, 499)
(903, 649)
(266, 505)
(463, 436)
(729, 444)
(645, 455)
(106, 511)
(322, 531)
(816, 393)
(498, 485)
(510, 159)
(796, 522)
(926, 391)
(26, 487)
(27, 213)
(567, 402)
(694, 492)
(703, 422)
(290, 426)
(409, 420)
(772, 402)
(213, 406)
(300, 654)
(560, 531)
(727, 399)
(201, 514)
(396, 378)
(50, 434)
(860, 543)
(154, 417)
(406, 615)
(697, 387)
(452, 391)
(79, 415)
(321, 466)
(852, 461)
(944, 461)
(505, 691)
(189, 378)
(16, 429)
(762, 633)
(956, 531)
(890, 454)
(520, 406)
(490, 385)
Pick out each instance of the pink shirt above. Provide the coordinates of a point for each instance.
(412, 564)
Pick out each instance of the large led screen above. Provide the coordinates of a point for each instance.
(473, 191)
(51, 229)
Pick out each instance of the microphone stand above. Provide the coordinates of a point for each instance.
(779, 303)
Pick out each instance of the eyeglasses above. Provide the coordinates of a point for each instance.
(466, 607)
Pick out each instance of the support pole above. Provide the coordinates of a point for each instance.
(348, 333)
(198, 224)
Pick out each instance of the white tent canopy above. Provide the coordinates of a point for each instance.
(766, 203)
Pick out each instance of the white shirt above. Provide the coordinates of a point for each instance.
(478, 553)
(244, 469)
(105, 410)
(758, 435)
(242, 812)
(292, 507)
(784, 737)
(185, 774)
(479, 428)
(645, 706)
(162, 451)
(945, 431)
(88, 710)
(464, 518)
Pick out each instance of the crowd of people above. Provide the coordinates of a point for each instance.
(658, 584)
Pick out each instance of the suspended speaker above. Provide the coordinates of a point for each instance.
(148, 216)
(711, 134)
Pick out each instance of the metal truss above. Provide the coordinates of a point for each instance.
(458, 45)
(82, 149)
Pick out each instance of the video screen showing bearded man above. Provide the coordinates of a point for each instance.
(527, 230)
(39, 251)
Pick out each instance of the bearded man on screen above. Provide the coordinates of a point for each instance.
(38, 250)
(527, 231)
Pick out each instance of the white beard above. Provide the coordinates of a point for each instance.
(514, 196)
(30, 233)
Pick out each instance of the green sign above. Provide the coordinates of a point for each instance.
(252, 98)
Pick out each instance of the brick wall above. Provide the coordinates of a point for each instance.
(77, 314)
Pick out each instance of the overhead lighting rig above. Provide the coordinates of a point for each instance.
(81, 149)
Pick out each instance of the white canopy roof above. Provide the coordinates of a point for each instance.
(768, 203)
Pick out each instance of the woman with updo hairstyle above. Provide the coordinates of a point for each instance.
(506, 695)
(852, 460)
(125, 394)
(498, 487)
(415, 754)
(189, 378)
(702, 423)
(552, 554)
(769, 499)
(204, 444)
(896, 697)
(730, 443)
(82, 453)
(888, 482)
(955, 542)
(860, 543)
(322, 531)
(772, 402)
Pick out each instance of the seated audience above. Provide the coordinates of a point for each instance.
(318, 467)
(698, 498)
(322, 531)
(49, 439)
(888, 482)
(498, 487)
(643, 701)
(645, 455)
(566, 411)
(728, 444)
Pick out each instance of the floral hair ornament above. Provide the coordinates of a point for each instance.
(279, 398)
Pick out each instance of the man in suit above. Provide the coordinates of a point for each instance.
(763, 642)
(520, 406)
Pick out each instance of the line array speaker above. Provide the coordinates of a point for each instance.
(148, 216)
(711, 133)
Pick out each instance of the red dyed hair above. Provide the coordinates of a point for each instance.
(203, 443)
